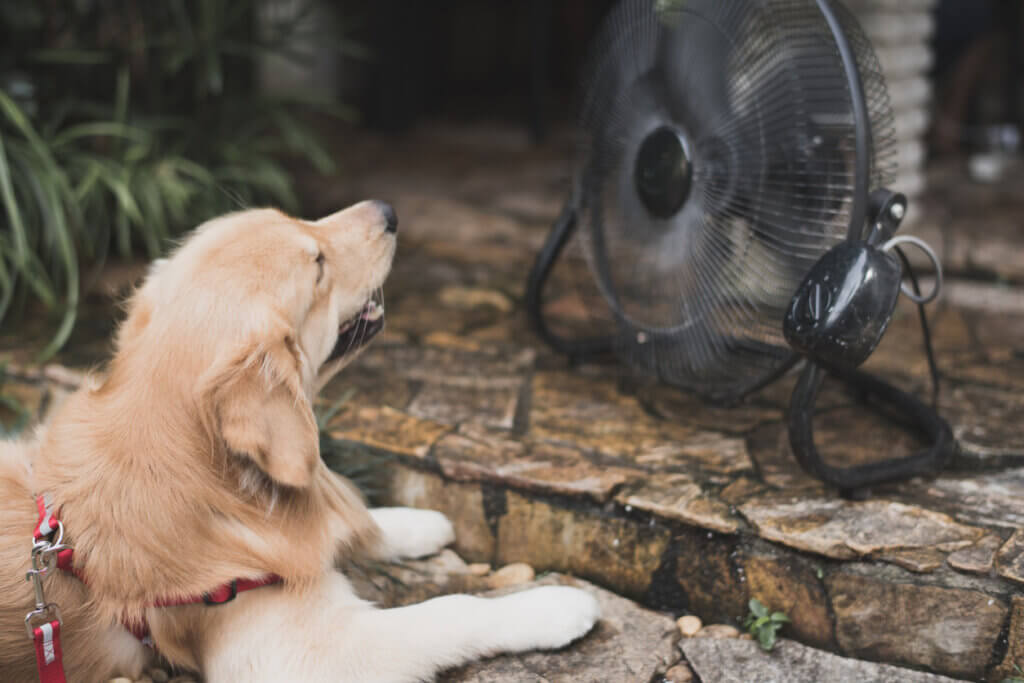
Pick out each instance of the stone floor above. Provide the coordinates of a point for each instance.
(646, 491)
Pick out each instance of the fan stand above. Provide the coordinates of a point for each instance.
(850, 480)
(576, 349)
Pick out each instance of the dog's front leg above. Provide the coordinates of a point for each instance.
(413, 643)
(328, 634)
(408, 533)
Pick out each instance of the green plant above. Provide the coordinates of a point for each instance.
(126, 122)
(764, 625)
(10, 404)
(359, 465)
(1015, 679)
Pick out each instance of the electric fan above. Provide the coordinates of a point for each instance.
(731, 203)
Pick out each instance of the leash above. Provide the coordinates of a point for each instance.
(44, 622)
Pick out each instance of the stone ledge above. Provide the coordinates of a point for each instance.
(943, 621)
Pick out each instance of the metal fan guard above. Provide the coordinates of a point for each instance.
(697, 297)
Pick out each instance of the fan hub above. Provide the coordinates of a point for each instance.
(663, 172)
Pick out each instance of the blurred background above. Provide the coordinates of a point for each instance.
(125, 122)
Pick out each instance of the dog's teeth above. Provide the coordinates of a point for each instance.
(374, 311)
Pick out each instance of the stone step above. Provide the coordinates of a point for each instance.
(741, 661)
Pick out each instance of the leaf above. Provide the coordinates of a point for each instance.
(122, 93)
(757, 608)
(70, 263)
(299, 139)
(12, 209)
(122, 229)
(324, 418)
(20, 121)
(780, 618)
(126, 202)
(8, 280)
(93, 129)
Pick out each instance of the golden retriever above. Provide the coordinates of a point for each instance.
(194, 461)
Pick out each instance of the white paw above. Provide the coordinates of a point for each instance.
(410, 533)
(546, 618)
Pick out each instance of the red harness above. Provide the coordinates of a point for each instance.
(44, 622)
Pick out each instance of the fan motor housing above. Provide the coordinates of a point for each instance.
(844, 305)
(663, 171)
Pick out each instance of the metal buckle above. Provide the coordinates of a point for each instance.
(44, 561)
(41, 611)
(46, 542)
(208, 599)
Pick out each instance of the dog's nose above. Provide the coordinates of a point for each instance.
(390, 217)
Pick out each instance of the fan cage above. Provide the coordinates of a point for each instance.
(759, 90)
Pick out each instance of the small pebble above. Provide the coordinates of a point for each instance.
(158, 675)
(479, 569)
(122, 679)
(718, 631)
(689, 625)
(680, 673)
(746, 636)
(511, 575)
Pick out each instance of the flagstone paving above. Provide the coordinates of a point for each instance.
(647, 491)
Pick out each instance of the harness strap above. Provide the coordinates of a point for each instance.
(48, 519)
(46, 636)
(223, 593)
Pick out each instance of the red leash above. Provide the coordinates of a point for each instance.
(49, 658)
(43, 623)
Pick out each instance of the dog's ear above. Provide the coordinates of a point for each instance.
(261, 410)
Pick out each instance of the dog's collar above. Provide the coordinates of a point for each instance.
(43, 623)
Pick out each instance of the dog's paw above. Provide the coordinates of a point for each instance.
(410, 533)
(546, 618)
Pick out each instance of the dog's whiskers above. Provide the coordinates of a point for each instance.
(353, 340)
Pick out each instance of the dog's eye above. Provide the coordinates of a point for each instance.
(319, 266)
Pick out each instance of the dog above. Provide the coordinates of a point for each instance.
(193, 464)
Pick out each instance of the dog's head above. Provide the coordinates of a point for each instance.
(252, 315)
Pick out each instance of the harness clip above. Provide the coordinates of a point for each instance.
(41, 611)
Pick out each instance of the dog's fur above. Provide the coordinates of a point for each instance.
(195, 460)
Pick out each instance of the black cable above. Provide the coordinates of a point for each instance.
(933, 367)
